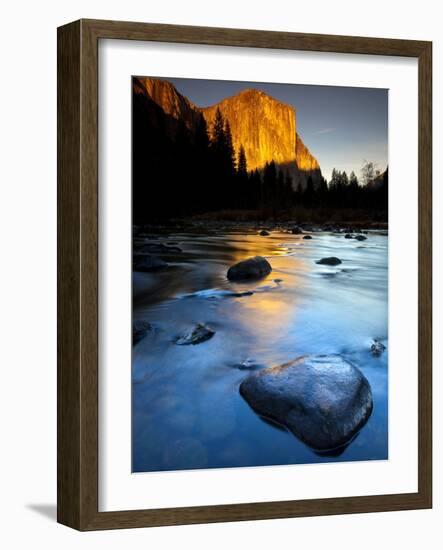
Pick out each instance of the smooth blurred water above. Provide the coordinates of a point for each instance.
(187, 410)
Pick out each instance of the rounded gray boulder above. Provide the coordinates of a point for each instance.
(252, 268)
(322, 399)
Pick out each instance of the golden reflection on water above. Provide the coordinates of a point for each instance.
(271, 310)
(247, 245)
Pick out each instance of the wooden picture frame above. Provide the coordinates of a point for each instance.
(78, 274)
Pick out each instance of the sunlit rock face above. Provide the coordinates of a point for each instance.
(264, 126)
(170, 100)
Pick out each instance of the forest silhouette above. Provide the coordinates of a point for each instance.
(178, 173)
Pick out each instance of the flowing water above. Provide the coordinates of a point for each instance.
(187, 409)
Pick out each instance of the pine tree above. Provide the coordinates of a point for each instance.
(309, 193)
(270, 186)
(323, 192)
(353, 190)
(242, 178)
(218, 130)
(353, 181)
(233, 198)
(217, 151)
(242, 166)
(288, 190)
(229, 150)
(280, 190)
(255, 194)
(299, 195)
(202, 164)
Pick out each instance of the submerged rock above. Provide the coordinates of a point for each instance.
(216, 293)
(140, 329)
(264, 233)
(332, 260)
(323, 399)
(148, 263)
(248, 364)
(252, 268)
(329, 227)
(360, 238)
(200, 333)
(348, 236)
(377, 348)
(307, 237)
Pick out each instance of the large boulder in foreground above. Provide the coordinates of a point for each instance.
(252, 268)
(321, 399)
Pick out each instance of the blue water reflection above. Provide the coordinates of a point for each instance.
(187, 410)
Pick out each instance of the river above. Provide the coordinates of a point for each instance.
(187, 412)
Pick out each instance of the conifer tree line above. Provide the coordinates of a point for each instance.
(178, 172)
(343, 191)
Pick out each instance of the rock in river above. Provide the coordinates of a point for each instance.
(377, 348)
(252, 268)
(296, 230)
(321, 399)
(360, 237)
(248, 364)
(307, 237)
(332, 260)
(264, 233)
(200, 333)
(140, 329)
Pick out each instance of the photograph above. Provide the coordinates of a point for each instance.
(259, 274)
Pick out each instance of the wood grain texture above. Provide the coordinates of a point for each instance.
(68, 275)
(78, 270)
(425, 273)
(254, 38)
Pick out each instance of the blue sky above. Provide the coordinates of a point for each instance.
(341, 126)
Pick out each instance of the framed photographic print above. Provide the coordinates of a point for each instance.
(244, 275)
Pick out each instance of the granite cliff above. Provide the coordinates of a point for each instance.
(164, 94)
(265, 127)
